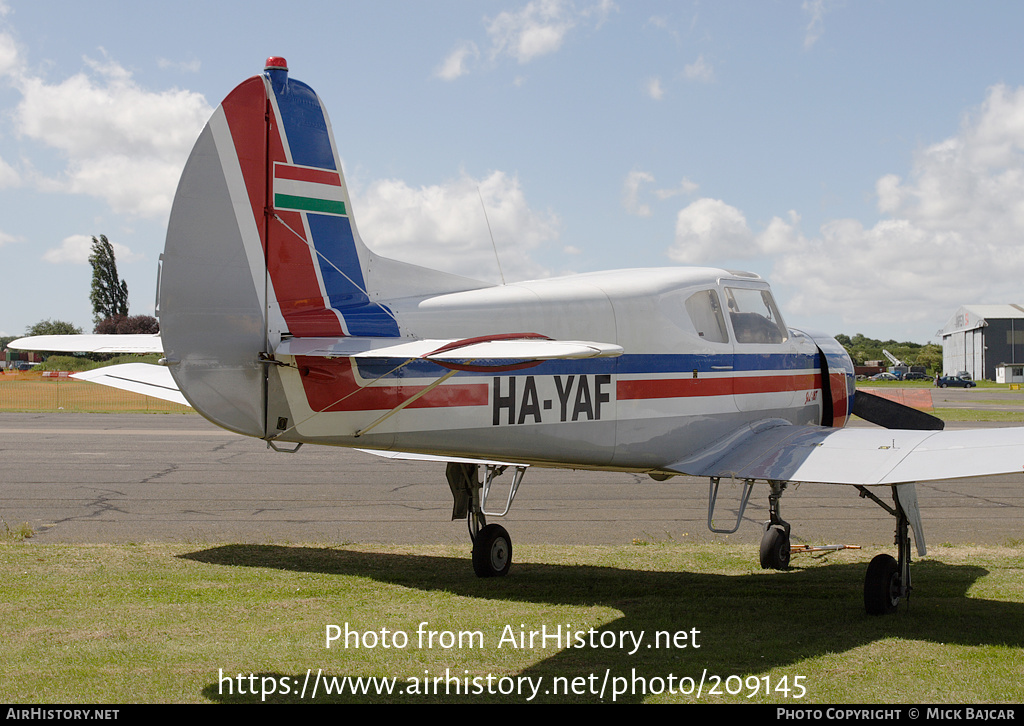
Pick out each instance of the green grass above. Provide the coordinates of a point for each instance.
(925, 384)
(974, 414)
(164, 623)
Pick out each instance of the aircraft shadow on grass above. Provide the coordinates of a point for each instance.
(748, 624)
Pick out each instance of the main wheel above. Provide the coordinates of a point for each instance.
(775, 549)
(492, 552)
(882, 586)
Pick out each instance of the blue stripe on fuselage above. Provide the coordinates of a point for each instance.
(683, 364)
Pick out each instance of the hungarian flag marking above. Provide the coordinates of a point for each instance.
(308, 189)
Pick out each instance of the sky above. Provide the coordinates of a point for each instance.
(866, 158)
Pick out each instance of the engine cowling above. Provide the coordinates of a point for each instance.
(838, 380)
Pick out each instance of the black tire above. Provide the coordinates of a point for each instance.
(492, 552)
(882, 586)
(775, 549)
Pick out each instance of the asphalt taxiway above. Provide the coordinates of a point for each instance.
(88, 478)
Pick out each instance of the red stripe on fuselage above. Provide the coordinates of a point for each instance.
(287, 254)
(331, 386)
(687, 387)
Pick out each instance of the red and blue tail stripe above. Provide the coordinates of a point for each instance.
(300, 206)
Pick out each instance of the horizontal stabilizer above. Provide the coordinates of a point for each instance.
(778, 450)
(515, 347)
(145, 378)
(137, 344)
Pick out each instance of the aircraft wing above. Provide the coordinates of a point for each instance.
(777, 450)
(146, 378)
(138, 344)
(408, 456)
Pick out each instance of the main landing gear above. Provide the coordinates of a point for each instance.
(887, 581)
(492, 546)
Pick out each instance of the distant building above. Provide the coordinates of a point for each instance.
(1009, 373)
(980, 338)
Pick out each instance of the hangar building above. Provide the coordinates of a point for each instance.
(980, 338)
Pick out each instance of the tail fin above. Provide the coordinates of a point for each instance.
(314, 257)
(260, 244)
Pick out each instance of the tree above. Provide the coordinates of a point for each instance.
(109, 295)
(126, 325)
(53, 327)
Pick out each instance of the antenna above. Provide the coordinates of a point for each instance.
(496, 258)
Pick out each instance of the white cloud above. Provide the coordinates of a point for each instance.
(457, 62)
(816, 24)
(8, 176)
(710, 229)
(443, 225)
(700, 70)
(655, 89)
(684, 187)
(952, 232)
(76, 249)
(631, 192)
(121, 142)
(536, 29)
(10, 57)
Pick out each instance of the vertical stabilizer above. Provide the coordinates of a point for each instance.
(260, 244)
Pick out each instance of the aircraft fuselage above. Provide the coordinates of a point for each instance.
(705, 352)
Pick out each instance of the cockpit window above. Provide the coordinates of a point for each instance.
(706, 315)
(754, 317)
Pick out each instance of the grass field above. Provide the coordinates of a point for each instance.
(180, 623)
(32, 391)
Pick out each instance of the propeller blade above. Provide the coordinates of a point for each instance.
(892, 415)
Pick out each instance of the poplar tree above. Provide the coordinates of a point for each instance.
(109, 294)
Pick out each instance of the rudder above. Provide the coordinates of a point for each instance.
(260, 244)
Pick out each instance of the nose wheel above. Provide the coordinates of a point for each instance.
(775, 548)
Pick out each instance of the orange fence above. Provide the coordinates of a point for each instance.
(35, 391)
(919, 398)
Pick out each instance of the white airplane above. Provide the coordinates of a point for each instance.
(277, 322)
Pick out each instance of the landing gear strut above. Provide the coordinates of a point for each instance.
(775, 548)
(492, 546)
(888, 579)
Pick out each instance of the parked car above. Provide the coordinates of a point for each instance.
(916, 376)
(884, 377)
(954, 381)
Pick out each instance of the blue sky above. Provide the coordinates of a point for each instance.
(864, 157)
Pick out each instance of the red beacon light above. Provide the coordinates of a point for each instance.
(276, 63)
